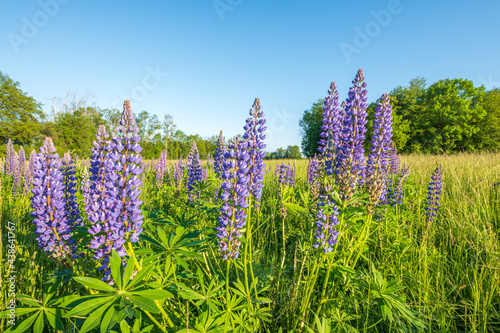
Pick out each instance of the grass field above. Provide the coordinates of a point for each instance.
(383, 276)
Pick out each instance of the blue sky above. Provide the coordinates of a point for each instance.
(204, 62)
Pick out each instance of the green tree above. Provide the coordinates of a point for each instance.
(491, 123)
(20, 115)
(310, 128)
(451, 118)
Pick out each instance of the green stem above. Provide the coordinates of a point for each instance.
(227, 280)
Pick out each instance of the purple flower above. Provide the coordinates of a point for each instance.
(28, 175)
(434, 195)
(69, 180)
(219, 158)
(194, 172)
(326, 220)
(254, 134)
(16, 172)
(395, 161)
(313, 170)
(331, 129)
(378, 159)
(236, 178)
(123, 207)
(53, 227)
(350, 159)
(21, 157)
(178, 173)
(161, 168)
(204, 174)
(10, 159)
(286, 175)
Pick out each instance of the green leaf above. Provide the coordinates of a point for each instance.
(107, 322)
(54, 321)
(144, 303)
(24, 325)
(153, 294)
(86, 307)
(18, 312)
(116, 269)
(294, 207)
(141, 275)
(39, 324)
(94, 283)
(95, 317)
(129, 270)
(124, 327)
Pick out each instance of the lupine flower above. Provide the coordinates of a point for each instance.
(254, 134)
(94, 191)
(9, 158)
(21, 157)
(69, 180)
(219, 158)
(326, 234)
(161, 168)
(204, 174)
(178, 173)
(28, 176)
(284, 174)
(434, 195)
(52, 225)
(292, 175)
(395, 161)
(234, 196)
(16, 172)
(350, 160)
(313, 169)
(331, 129)
(378, 159)
(123, 211)
(194, 171)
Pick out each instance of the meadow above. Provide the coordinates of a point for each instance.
(405, 280)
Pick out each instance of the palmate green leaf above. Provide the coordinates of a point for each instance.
(95, 317)
(54, 320)
(107, 322)
(39, 324)
(86, 307)
(150, 240)
(124, 327)
(23, 325)
(116, 269)
(153, 294)
(143, 273)
(19, 312)
(28, 300)
(94, 284)
(144, 303)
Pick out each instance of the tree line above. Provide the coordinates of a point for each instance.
(449, 116)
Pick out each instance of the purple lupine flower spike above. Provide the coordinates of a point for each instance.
(434, 195)
(219, 158)
(50, 217)
(28, 175)
(236, 178)
(254, 134)
(123, 169)
(313, 169)
(284, 174)
(204, 174)
(161, 168)
(16, 172)
(9, 159)
(331, 129)
(194, 172)
(178, 173)
(326, 234)
(69, 180)
(377, 166)
(21, 157)
(350, 160)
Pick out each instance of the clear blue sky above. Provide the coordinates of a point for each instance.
(219, 59)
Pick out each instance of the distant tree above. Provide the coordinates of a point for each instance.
(293, 152)
(20, 115)
(451, 117)
(148, 125)
(491, 122)
(310, 128)
(169, 129)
